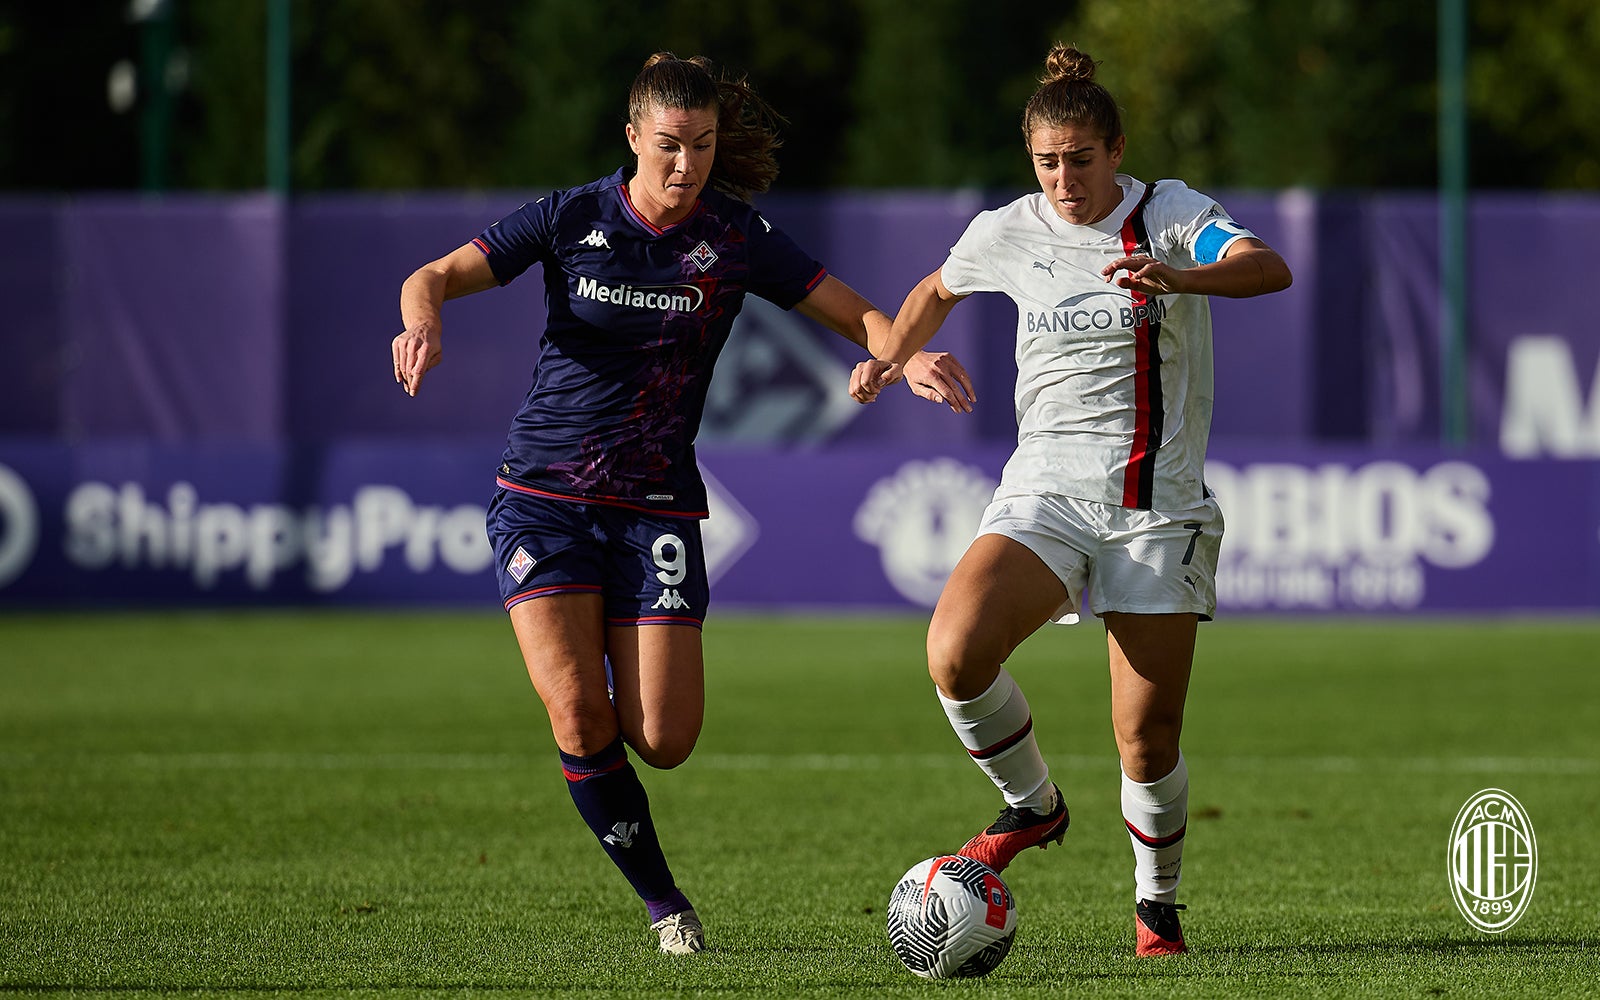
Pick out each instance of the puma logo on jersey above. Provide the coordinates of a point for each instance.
(670, 600)
(1049, 268)
(595, 239)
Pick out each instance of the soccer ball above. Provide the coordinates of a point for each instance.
(951, 916)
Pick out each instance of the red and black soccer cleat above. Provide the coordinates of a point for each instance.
(1157, 930)
(1017, 830)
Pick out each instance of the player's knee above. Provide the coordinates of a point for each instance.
(665, 752)
(1149, 752)
(583, 730)
(944, 662)
(960, 667)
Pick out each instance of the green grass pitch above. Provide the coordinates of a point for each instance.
(368, 805)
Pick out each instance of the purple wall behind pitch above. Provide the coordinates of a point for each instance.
(214, 372)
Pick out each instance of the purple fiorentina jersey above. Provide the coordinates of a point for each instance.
(636, 318)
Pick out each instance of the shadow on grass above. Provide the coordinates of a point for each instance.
(1459, 943)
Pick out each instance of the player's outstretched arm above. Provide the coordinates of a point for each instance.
(463, 271)
(938, 377)
(896, 355)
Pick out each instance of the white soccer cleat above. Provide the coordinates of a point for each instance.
(681, 933)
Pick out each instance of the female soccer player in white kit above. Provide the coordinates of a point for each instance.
(1104, 498)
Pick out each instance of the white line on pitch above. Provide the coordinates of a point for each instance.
(379, 761)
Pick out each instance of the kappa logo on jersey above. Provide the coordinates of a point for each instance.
(1049, 268)
(703, 256)
(666, 298)
(595, 239)
(622, 834)
(670, 600)
(520, 564)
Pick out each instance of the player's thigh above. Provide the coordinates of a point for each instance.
(1151, 657)
(658, 679)
(562, 638)
(655, 599)
(655, 570)
(1000, 592)
(549, 571)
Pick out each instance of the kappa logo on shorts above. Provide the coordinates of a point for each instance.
(670, 600)
(520, 564)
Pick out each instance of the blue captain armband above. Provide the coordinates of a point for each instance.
(1215, 239)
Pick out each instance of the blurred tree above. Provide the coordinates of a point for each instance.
(576, 62)
(221, 136)
(404, 94)
(1325, 93)
(1534, 88)
(800, 57)
(58, 130)
(401, 93)
(570, 76)
(1330, 94)
(939, 93)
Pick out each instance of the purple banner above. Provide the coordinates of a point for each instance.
(1310, 530)
(189, 319)
(172, 317)
(199, 408)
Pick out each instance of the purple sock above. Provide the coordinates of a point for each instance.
(611, 799)
(673, 902)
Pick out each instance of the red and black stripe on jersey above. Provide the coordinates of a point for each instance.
(1138, 485)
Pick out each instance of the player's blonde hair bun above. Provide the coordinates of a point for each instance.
(1066, 63)
(1068, 95)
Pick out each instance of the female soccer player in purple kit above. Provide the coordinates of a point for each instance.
(595, 521)
(1105, 494)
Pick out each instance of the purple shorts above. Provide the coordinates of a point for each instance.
(649, 569)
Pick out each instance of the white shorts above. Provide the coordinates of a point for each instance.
(1113, 558)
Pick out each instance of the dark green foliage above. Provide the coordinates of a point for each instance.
(408, 94)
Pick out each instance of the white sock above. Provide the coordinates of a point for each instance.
(1157, 815)
(996, 727)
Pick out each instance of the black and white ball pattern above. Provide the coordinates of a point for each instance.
(951, 916)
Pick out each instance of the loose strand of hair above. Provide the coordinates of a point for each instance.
(747, 126)
(747, 141)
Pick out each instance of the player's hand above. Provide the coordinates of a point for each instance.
(415, 352)
(1143, 274)
(872, 377)
(938, 377)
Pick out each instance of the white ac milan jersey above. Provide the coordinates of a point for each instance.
(1113, 388)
